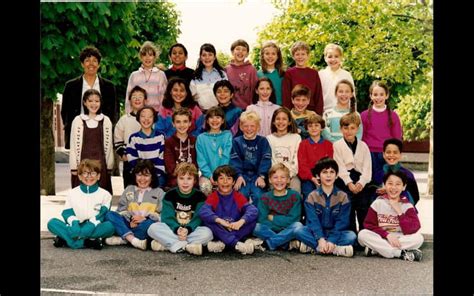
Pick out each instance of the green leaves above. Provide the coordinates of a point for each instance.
(116, 29)
(389, 40)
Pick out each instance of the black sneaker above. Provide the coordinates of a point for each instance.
(412, 255)
(59, 242)
(95, 244)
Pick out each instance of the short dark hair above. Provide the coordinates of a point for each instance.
(239, 42)
(137, 88)
(226, 170)
(300, 90)
(147, 107)
(398, 173)
(223, 83)
(325, 163)
(145, 166)
(178, 45)
(393, 141)
(90, 51)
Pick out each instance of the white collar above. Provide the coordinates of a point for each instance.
(97, 118)
(380, 109)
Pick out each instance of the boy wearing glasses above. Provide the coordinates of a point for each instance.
(84, 213)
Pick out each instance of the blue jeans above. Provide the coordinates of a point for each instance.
(276, 239)
(250, 190)
(377, 162)
(307, 186)
(306, 236)
(163, 234)
(122, 226)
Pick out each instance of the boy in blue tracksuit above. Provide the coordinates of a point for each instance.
(327, 215)
(228, 214)
(251, 157)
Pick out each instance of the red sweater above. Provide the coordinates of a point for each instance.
(308, 77)
(309, 154)
(382, 218)
(176, 153)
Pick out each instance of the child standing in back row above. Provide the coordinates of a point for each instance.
(380, 123)
(178, 55)
(242, 74)
(332, 74)
(149, 77)
(271, 61)
(207, 72)
(302, 74)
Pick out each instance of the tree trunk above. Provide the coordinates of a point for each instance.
(47, 169)
(430, 159)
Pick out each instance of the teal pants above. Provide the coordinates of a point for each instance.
(61, 229)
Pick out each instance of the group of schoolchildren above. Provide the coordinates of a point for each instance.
(242, 159)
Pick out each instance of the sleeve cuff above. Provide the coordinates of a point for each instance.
(71, 219)
(94, 221)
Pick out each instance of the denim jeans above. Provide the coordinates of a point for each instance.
(307, 186)
(276, 239)
(377, 162)
(250, 190)
(306, 236)
(162, 233)
(122, 226)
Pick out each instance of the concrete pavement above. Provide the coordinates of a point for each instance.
(124, 270)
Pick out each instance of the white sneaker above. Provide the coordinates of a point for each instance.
(139, 243)
(194, 249)
(156, 246)
(244, 248)
(115, 241)
(256, 242)
(345, 251)
(215, 246)
(294, 244)
(305, 249)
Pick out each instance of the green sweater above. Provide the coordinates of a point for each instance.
(181, 210)
(285, 209)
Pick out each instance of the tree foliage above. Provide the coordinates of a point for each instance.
(157, 22)
(386, 40)
(116, 29)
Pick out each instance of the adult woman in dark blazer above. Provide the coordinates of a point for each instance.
(74, 89)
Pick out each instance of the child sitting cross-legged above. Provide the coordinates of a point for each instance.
(279, 211)
(391, 225)
(180, 228)
(139, 207)
(327, 215)
(228, 214)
